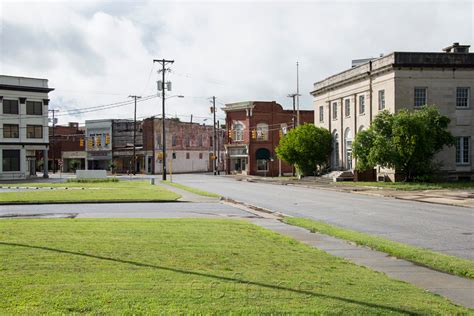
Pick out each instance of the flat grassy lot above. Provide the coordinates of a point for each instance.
(192, 190)
(435, 260)
(100, 191)
(412, 186)
(169, 266)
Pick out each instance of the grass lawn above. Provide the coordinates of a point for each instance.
(412, 186)
(192, 190)
(100, 191)
(153, 266)
(435, 260)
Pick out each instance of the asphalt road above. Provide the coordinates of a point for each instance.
(125, 210)
(442, 228)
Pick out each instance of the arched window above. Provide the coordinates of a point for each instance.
(361, 128)
(238, 132)
(262, 131)
(348, 147)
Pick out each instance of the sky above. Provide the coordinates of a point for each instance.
(99, 52)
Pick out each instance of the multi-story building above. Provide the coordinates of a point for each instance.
(67, 145)
(347, 102)
(123, 143)
(254, 131)
(189, 146)
(24, 126)
(99, 144)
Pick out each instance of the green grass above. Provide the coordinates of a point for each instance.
(412, 186)
(435, 260)
(173, 266)
(95, 191)
(192, 190)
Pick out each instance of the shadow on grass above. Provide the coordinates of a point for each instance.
(218, 277)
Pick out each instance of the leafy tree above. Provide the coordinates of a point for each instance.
(406, 141)
(74, 164)
(306, 147)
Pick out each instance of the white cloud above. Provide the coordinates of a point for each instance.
(99, 52)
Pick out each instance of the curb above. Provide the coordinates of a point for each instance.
(92, 202)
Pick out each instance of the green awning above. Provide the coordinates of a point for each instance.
(262, 153)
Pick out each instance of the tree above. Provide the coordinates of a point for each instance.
(74, 164)
(406, 141)
(306, 147)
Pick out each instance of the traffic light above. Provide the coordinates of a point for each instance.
(90, 142)
(254, 134)
(107, 139)
(81, 142)
(97, 141)
(230, 133)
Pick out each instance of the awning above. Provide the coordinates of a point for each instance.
(262, 153)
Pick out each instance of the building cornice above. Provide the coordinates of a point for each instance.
(25, 88)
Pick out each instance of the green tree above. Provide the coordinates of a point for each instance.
(406, 141)
(306, 147)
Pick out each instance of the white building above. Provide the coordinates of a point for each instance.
(98, 144)
(347, 102)
(23, 126)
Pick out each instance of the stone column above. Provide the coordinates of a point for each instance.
(45, 163)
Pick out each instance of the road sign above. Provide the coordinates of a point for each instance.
(60, 162)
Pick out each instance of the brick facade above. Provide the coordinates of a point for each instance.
(256, 117)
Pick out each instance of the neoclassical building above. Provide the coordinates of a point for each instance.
(347, 102)
(23, 127)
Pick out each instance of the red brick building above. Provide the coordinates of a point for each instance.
(254, 129)
(65, 144)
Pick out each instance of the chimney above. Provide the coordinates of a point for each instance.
(456, 48)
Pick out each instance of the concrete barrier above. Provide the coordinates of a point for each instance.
(91, 174)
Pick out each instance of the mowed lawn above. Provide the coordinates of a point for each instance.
(168, 266)
(100, 191)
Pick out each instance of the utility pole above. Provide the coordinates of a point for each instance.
(297, 95)
(134, 158)
(163, 63)
(214, 135)
(218, 147)
(53, 147)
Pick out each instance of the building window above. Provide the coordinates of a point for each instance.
(361, 104)
(34, 108)
(381, 99)
(200, 155)
(262, 165)
(321, 113)
(173, 155)
(10, 106)
(420, 97)
(11, 131)
(462, 97)
(334, 111)
(347, 105)
(35, 131)
(187, 155)
(462, 150)
(238, 132)
(200, 140)
(11, 160)
(173, 140)
(335, 149)
(262, 131)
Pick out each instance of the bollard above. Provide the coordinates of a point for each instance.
(152, 181)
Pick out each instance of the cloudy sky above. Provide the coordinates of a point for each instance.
(100, 52)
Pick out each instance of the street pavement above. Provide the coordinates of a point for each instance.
(127, 210)
(443, 228)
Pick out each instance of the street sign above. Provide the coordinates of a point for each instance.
(60, 162)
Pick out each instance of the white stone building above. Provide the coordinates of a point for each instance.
(347, 102)
(23, 126)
